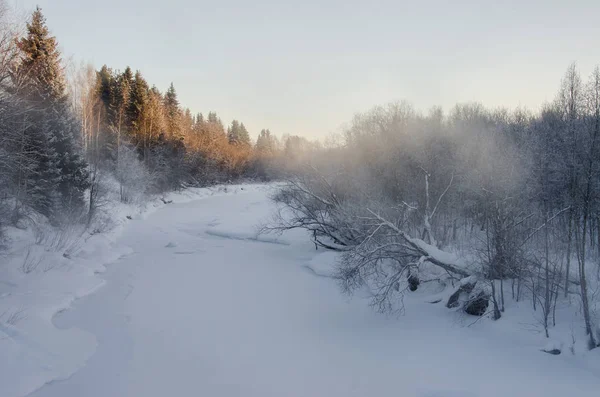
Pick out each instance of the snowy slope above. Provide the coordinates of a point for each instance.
(202, 306)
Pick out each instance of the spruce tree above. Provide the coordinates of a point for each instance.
(155, 118)
(122, 94)
(137, 111)
(187, 122)
(173, 113)
(244, 137)
(40, 58)
(238, 134)
(124, 84)
(212, 117)
(60, 176)
(265, 143)
(106, 86)
(233, 132)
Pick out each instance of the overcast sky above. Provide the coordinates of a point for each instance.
(305, 67)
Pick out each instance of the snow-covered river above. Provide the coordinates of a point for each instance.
(200, 308)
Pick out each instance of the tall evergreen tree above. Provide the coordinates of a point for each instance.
(137, 111)
(106, 85)
(123, 86)
(238, 134)
(244, 137)
(212, 117)
(265, 143)
(173, 113)
(233, 132)
(54, 132)
(40, 59)
(155, 118)
(187, 122)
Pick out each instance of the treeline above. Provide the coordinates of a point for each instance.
(123, 117)
(506, 201)
(68, 140)
(124, 113)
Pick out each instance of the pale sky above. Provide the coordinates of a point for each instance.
(306, 67)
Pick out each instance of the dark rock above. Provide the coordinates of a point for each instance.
(478, 305)
(413, 282)
(554, 352)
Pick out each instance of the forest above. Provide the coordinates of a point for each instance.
(74, 137)
(502, 204)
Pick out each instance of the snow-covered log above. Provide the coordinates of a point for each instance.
(430, 253)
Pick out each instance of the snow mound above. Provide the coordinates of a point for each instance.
(553, 347)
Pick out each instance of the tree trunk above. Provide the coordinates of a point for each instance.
(569, 242)
(583, 281)
(502, 294)
(547, 294)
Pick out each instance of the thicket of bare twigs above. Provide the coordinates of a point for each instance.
(507, 202)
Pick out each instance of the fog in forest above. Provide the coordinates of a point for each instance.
(483, 210)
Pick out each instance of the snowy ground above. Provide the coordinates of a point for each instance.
(197, 305)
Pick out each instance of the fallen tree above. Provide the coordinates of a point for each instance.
(378, 250)
(374, 250)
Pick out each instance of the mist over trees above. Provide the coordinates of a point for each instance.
(502, 204)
